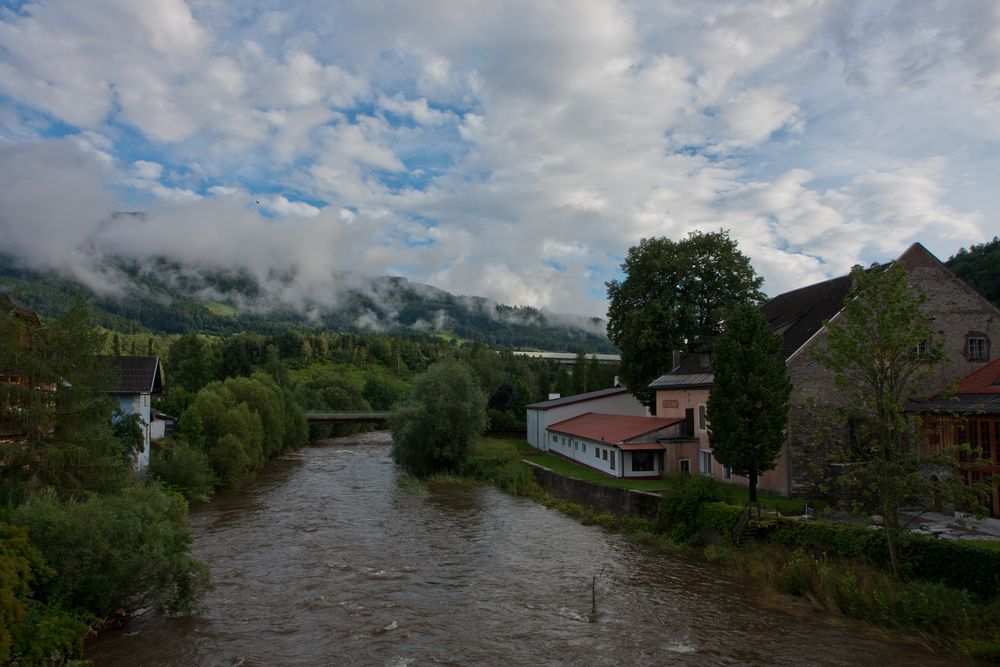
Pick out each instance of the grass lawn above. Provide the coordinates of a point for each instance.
(736, 495)
(221, 309)
(993, 545)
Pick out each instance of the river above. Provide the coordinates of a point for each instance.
(324, 560)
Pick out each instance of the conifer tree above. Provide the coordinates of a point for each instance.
(748, 403)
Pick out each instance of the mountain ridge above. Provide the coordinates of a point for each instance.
(163, 295)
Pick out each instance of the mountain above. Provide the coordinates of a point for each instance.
(165, 296)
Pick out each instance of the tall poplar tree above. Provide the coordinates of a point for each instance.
(673, 297)
(748, 402)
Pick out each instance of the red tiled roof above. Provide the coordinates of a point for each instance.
(611, 428)
(984, 381)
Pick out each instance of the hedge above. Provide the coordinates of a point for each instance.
(719, 517)
(953, 563)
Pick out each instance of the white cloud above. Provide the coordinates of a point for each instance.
(512, 150)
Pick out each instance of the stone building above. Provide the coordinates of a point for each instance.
(963, 320)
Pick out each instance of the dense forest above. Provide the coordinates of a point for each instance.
(167, 297)
(979, 265)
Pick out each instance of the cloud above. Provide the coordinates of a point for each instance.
(511, 150)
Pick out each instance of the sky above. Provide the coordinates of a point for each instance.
(507, 149)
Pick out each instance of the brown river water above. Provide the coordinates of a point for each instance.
(324, 560)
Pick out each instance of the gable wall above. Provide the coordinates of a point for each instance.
(955, 310)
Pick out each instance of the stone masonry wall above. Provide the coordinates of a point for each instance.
(611, 499)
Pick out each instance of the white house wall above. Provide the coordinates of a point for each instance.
(599, 456)
(139, 404)
(540, 419)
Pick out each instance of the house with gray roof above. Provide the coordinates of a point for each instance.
(962, 319)
(134, 381)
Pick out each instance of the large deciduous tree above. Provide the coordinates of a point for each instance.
(674, 297)
(880, 350)
(435, 429)
(748, 403)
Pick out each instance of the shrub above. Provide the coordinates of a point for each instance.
(681, 506)
(128, 550)
(184, 468)
(956, 564)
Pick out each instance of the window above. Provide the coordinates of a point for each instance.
(705, 462)
(686, 466)
(705, 360)
(583, 447)
(727, 472)
(921, 348)
(975, 348)
(604, 454)
(614, 455)
(643, 462)
(597, 452)
(702, 418)
(555, 438)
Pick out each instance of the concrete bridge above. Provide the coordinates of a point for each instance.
(346, 417)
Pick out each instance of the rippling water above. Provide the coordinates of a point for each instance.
(324, 560)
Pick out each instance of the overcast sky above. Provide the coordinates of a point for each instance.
(512, 150)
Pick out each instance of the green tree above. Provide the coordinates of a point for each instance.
(748, 403)
(880, 350)
(435, 428)
(127, 550)
(58, 412)
(674, 297)
(192, 363)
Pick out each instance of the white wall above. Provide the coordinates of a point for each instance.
(617, 404)
(139, 404)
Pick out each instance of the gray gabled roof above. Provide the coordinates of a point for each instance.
(796, 316)
(683, 380)
(578, 398)
(135, 375)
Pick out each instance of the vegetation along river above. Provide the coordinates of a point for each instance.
(324, 560)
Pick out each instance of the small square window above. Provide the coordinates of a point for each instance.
(686, 466)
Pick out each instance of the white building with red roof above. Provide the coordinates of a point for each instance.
(614, 401)
(626, 446)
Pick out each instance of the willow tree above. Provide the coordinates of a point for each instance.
(881, 349)
(748, 402)
(673, 297)
(435, 429)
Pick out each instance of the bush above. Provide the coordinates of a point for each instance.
(680, 509)
(184, 468)
(956, 564)
(434, 429)
(128, 550)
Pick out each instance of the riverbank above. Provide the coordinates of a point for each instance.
(929, 612)
(325, 559)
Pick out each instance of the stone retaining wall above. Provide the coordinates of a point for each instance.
(612, 499)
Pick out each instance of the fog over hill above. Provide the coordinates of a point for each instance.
(163, 294)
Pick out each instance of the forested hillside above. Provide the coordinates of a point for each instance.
(979, 265)
(173, 299)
